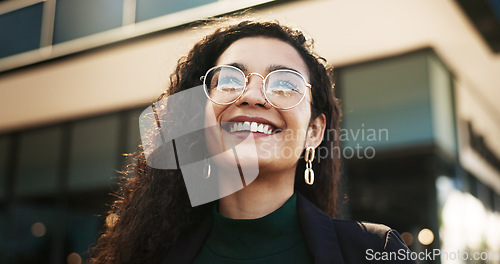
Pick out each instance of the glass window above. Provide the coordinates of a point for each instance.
(82, 230)
(387, 103)
(147, 9)
(133, 130)
(495, 6)
(84, 220)
(20, 30)
(4, 151)
(3, 234)
(32, 228)
(76, 18)
(94, 153)
(132, 136)
(37, 168)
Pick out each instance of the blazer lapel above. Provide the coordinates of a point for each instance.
(319, 233)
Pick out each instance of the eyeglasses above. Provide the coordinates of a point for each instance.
(283, 88)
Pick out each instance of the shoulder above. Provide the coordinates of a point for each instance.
(349, 241)
(369, 240)
(369, 234)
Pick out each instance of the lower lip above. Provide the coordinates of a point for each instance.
(244, 134)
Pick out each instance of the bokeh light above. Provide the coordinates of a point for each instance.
(74, 258)
(407, 237)
(38, 229)
(425, 236)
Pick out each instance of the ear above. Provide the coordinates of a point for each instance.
(316, 131)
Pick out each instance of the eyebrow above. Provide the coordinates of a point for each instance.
(274, 67)
(269, 68)
(239, 66)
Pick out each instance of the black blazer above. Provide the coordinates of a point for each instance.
(329, 240)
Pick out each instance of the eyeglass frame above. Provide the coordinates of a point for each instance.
(263, 91)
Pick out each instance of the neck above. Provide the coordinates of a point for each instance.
(260, 198)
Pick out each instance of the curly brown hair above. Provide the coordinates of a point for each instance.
(153, 211)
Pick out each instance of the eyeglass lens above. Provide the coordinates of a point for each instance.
(283, 88)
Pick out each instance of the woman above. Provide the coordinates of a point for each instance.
(262, 82)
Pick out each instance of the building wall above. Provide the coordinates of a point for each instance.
(346, 32)
(86, 104)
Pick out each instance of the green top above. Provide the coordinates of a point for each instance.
(274, 238)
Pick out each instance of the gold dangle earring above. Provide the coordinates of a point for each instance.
(309, 173)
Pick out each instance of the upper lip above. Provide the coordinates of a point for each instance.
(256, 119)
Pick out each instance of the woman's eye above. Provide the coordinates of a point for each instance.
(283, 86)
(228, 89)
(229, 83)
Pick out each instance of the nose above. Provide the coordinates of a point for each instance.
(254, 95)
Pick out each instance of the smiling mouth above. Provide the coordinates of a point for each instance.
(255, 127)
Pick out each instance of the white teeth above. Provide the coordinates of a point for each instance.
(246, 126)
(253, 127)
(260, 128)
(250, 126)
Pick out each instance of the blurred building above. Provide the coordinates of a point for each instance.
(419, 81)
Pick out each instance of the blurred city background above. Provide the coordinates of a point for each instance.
(419, 83)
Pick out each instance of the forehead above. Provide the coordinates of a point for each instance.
(258, 54)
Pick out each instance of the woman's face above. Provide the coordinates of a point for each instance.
(291, 133)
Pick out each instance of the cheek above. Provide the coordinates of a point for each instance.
(299, 118)
(295, 133)
(211, 115)
(298, 123)
(212, 131)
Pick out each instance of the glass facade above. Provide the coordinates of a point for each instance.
(385, 96)
(76, 18)
(37, 167)
(55, 187)
(33, 229)
(94, 153)
(147, 9)
(133, 135)
(57, 22)
(390, 142)
(20, 30)
(4, 158)
(400, 154)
